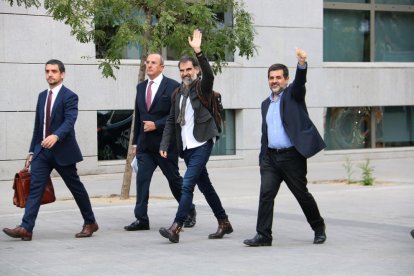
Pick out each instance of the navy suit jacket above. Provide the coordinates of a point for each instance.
(295, 119)
(63, 117)
(158, 113)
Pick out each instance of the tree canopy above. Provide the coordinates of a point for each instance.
(154, 24)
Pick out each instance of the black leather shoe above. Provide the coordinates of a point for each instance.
(258, 240)
(412, 233)
(191, 219)
(320, 236)
(137, 226)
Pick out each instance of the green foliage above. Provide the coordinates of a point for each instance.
(349, 169)
(155, 24)
(367, 177)
(27, 3)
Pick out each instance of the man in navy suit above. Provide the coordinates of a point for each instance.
(54, 146)
(288, 138)
(152, 106)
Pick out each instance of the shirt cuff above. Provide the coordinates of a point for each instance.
(302, 66)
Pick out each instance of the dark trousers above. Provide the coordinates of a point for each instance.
(41, 167)
(291, 167)
(147, 163)
(196, 173)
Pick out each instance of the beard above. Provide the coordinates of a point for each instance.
(277, 89)
(188, 80)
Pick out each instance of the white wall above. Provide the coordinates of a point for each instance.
(28, 38)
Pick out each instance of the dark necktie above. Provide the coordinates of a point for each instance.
(149, 95)
(48, 105)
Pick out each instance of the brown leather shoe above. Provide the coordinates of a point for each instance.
(224, 227)
(18, 232)
(172, 233)
(87, 230)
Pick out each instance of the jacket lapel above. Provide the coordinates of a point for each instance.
(56, 103)
(43, 98)
(160, 91)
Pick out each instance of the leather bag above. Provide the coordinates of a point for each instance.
(21, 186)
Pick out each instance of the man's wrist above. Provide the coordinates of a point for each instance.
(302, 66)
(57, 137)
(198, 51)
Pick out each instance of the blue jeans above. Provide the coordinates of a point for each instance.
(196, 160)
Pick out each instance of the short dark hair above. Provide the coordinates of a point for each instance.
(184, 59)
(58, 63)
(278, 66)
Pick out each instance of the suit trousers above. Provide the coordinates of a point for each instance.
(41, 167)
(289, 166)
(147, 163)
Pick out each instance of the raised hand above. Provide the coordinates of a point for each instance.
(301, 55)
(195, 41)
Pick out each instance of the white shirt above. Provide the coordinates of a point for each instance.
(154, 87)
(55, 92)
(187, 131)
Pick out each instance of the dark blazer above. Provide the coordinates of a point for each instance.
(63, 117)
(204, 126)
(158, 113)
(295, 118)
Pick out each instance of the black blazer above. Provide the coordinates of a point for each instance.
(62, 123)
(158, 113)
(295, 118)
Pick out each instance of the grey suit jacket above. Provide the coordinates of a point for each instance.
(204, 126)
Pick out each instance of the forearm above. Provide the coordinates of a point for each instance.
(207, 80)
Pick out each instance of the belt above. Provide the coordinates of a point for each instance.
(282, 150)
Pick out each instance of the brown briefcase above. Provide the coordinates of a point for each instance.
(21, 186)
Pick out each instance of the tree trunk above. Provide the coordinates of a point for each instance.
(126, 183)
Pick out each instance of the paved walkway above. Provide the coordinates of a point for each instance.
(367, 227)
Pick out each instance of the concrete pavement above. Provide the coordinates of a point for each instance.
(368, 229)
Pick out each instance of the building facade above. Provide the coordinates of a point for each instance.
(360, 82)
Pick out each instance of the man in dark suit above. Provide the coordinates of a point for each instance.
(152, 106)
(192, 127)
(54, 146)
(288, 138)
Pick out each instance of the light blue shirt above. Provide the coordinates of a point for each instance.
(276, 135)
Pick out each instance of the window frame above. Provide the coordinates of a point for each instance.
(372, 8)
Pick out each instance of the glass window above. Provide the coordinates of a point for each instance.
(368, 31)
(369, 127)
(393, 42)
(396, 2)
(226, 145)
(133, 50)
(348, 1)
(114, 127)
(346, 35)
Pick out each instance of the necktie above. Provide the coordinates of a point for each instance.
(48, 105)
(149, 95)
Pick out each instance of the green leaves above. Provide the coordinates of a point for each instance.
(27, 3)
(155, 24)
